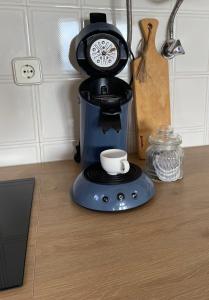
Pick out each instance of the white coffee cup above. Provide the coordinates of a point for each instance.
(114, 161)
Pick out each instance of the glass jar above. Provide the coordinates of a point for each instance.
(164, 156)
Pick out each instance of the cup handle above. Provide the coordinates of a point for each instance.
(125, 166)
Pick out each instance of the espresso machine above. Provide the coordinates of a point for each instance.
(102, 52)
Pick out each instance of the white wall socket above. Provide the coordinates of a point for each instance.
(27, 70)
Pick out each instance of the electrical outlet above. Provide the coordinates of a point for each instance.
(27, 70)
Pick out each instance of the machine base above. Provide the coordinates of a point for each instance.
(112, 198)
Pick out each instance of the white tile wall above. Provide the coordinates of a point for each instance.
(13, 2)
(59, 110)
(55, 3)
(194, 5)
(41, 123)
(17, 154)
(14, 37)
(191, 138)
(52, 30)
(17, 114)
(196, 44)
(190, 102)
(59, 150)
(136, 4)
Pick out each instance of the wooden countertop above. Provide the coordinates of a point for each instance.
(156, 252)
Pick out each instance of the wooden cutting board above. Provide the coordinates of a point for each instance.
(150, 87)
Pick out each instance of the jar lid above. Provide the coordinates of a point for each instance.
(165, 135)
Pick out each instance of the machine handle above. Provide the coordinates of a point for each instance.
(98, 17)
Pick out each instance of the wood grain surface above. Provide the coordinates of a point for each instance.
(151, 97)
(157, 252)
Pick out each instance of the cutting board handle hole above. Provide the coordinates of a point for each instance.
(149, 26)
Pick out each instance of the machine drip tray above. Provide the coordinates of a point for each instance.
(95, 173)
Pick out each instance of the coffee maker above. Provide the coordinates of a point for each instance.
(102, 53)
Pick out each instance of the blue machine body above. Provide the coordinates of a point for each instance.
(104, 104)
(92, 139)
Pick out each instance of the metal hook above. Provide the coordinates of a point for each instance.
(172, 47)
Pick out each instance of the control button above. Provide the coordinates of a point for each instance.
(120, 196)
(134, 195)
(105, 199)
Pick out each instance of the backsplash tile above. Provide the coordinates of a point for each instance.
(42, 122)
(19, 155)
(13, 2)
(190, 100)
(52, 32)
(194, 5)
(59, 150)
(17, 114)
(193, 32)
(59, 110)
(136, 4)
(56, 3)
(14, 39)
(192, 138)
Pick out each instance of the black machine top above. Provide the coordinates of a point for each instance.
(101, 50)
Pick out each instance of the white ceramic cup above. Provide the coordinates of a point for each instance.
(114, 161)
